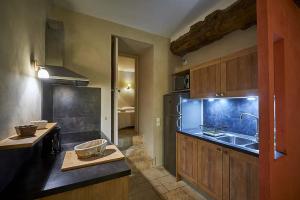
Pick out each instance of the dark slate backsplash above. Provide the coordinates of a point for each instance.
(77, 109)
(226, 113)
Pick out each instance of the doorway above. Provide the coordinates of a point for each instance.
(124, 96)
(127, 100)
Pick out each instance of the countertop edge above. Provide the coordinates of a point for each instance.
(220, 143)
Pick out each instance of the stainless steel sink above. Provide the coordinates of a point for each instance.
(254, 146)
(235, 140)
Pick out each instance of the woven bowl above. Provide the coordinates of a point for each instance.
(26, 131)
(91, 148)
(41, 124)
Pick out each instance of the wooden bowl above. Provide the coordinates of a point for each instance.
(26, 131)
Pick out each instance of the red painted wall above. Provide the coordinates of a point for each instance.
(279, 75)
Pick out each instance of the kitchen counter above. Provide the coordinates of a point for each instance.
(197, 133)
(43, 176)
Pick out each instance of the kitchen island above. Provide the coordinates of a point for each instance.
(42, 178)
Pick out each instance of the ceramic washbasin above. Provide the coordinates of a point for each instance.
(90, 148)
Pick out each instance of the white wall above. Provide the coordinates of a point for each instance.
(145, 108)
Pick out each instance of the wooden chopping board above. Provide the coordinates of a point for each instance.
(71, 161)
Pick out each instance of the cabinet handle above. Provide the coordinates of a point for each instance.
(218, 149)
(222, 94)
(217, 95)
(225, 152)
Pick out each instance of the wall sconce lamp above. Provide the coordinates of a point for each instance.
(42, 73)
(128, 86)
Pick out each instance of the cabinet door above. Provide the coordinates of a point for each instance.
(205, 80)
(239, 74)
(240, 176)
(187, 157)
(210, 168)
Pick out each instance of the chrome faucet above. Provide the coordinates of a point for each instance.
(257, 123)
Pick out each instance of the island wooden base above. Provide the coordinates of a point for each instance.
(108, 190)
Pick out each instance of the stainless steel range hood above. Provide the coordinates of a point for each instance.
(58, 74)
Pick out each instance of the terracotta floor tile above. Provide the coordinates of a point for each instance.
(170, 182)
(155, 182)
(154, 173)
(193, 193)
(145, 195)
(160, 189)
(139, 188)
(178, 194)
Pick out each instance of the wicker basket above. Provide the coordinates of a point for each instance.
(26, 131)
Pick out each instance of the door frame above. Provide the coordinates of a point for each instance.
(114, 89)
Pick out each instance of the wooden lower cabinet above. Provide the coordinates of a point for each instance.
(108, 190)
(210, 168)
(187, 157)
(240, 176)
(224, 174)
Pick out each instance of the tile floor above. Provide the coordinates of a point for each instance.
(153, 183)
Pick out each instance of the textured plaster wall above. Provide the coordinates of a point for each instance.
(22, 36)
(146, 90)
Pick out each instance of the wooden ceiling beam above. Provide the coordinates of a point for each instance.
(239, 15)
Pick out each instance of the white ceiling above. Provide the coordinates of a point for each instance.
(162, 17)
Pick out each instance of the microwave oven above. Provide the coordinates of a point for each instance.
(181, 82)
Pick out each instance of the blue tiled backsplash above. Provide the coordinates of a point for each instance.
(226, 113)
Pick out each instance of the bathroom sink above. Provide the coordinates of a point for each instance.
(235, 140)
(254, 146)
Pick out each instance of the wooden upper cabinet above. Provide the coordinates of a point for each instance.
(231, 76)
(187, 157)
(239, 74)
(205, 80)
(210, 163)
(240, 176)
